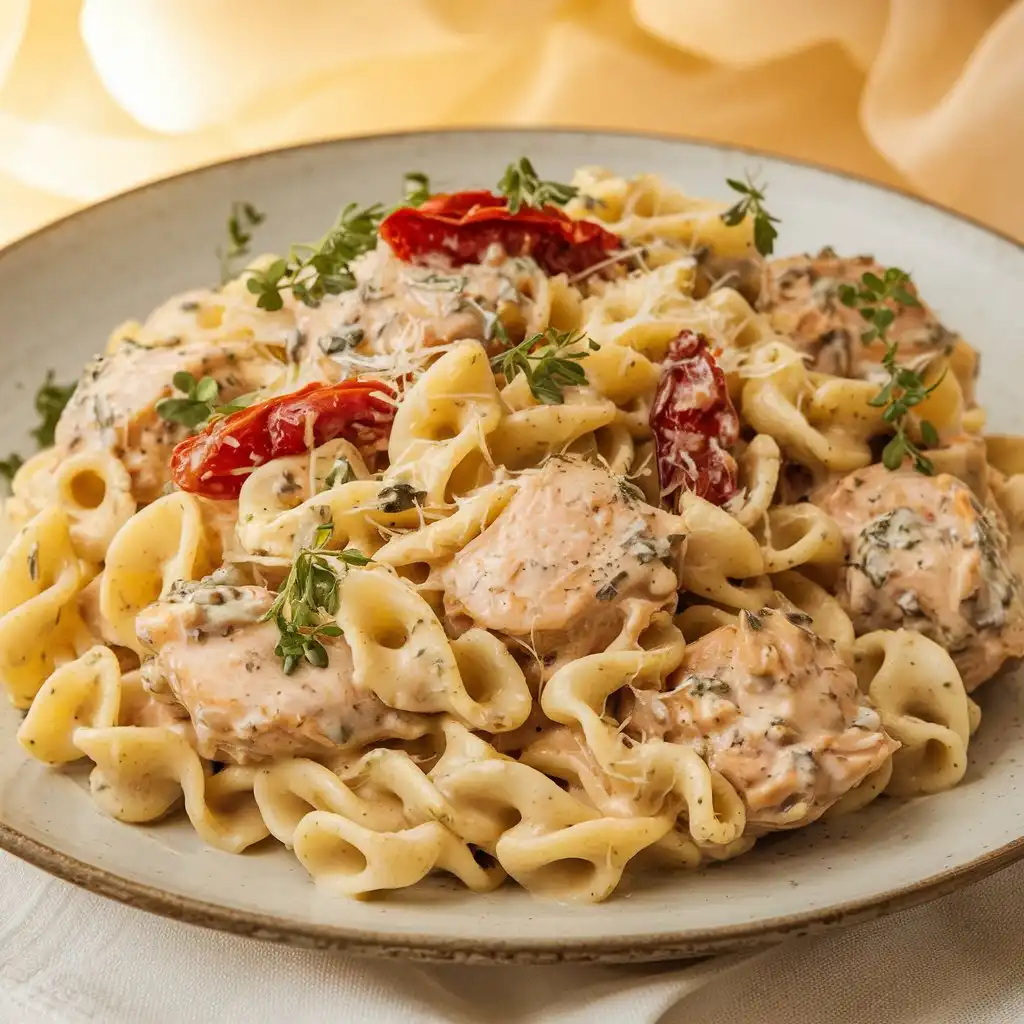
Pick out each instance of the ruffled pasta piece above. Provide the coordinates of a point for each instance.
(718, 550)
(921, 698)
(645, 207)
(828, 619)
(85, 693)
(822, 422)
(92, 487)
(440, 540)
(400, 794)
(40, 626)
(141, 773)
(163, 543)
(358, 511)
(442, 425)
(401, 653)
(576, 695)
(546, 839)
(355, 861)
(526, 437)
(795, 535)
(759, 464)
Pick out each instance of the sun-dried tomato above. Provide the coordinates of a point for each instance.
(463, 225)
(216, 461)
(694, 422)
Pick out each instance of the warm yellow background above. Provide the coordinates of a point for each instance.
(99, 95)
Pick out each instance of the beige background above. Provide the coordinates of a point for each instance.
(99, 95)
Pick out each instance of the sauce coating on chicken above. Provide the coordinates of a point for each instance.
(773, 707)
(801, 296)
(576, 558)
(114, 405)
(216, 659)
(923, 553)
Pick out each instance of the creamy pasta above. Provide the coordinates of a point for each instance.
(549, 532)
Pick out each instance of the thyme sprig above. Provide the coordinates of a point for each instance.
(305, 606)
(312, 271)
(751, 203)
(879, 300)
(544, 361)
(522, 187)
(243, 219)
(50, 400)
(201, 401)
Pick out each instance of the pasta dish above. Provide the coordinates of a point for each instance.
(546, 531)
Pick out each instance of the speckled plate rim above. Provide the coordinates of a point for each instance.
(663, 945)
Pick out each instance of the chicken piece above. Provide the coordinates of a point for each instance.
(216, 658)
(398, 311)
(114, 405)
(801, 296)
(923, 553)
(576, 559)
(773, 707)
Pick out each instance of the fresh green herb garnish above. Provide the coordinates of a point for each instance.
(416, 187)
(341, 473)
(304, 607)
(10, 466)
(244, 217)
(522, 187)
(313, 271)
(399, 497)
(545, 363)
(875, 300)
(50, 401)
(200, 402)
(751, 204)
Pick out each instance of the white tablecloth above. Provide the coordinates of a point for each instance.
(68, 957)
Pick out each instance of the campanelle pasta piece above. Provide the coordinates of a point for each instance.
(440, 540)
(401, 653)
(141, 773)
(645, 208)
(160, 545)
(577, 694)
(40, 626)
(359, 512)
(347, 858)
(443, 424)
(384, 791)
(759, 464)
(718, 550)
(546, 839)
(796, 535)
(85, 693)
(526, 438)
(918, 692)
(824, 425)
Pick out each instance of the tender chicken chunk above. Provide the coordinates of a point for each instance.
(573, 561)
(924, 554)
(215, 658)
(399, 310)
(801, 295)
(114, 405)
(772, 707)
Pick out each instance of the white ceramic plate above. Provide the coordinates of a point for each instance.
(64, 288)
